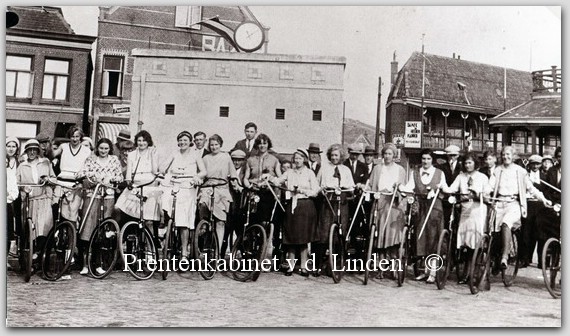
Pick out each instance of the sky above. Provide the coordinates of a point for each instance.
(518, 37)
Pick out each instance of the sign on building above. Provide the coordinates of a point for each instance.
(398, 140)
(413, 134)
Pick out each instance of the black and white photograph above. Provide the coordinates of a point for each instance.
(283, 166)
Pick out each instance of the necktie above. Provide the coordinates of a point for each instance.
(425, 173)
(337, 174)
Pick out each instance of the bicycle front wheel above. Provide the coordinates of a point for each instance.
(336, 253)
(26, 249)
(443, 250)
(551, 271)
(206, 249)
(479, 264)
(138, 251)
(248, 252)
(103, 249)
(402, 257)
(58, 252)
(369, 254)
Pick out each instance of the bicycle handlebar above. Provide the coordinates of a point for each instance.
(156, 176)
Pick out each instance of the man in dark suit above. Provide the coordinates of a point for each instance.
(369, 155)
(314, 157)
(246, 145)
(450, 169)
(358, 168)
(534, 207)
(200, 142)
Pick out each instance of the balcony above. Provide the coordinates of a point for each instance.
(547, 81)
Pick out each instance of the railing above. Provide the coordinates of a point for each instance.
(547, 80)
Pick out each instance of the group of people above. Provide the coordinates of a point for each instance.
(301, 185)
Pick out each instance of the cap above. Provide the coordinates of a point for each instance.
(32, 143)
(548, 157)
(354, 149)
(43, 138)
(369, 150)
(238, 154)
(124, 134)
(13, 139)
(452, 150)
(303, 152)
(314, 148)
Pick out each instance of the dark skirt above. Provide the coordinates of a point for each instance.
(548, 225)
(300, 227)
(427, 243)
(327, 217)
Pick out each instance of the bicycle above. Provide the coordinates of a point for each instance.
(486, 256)
(61, 241)
(552, 263)
(373, 236)
(137, 241)
(336, 245)
(451, 256)
(206, 239)
(104, 245)
(251, 242)
(26, 240)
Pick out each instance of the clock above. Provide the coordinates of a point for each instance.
(249, 36)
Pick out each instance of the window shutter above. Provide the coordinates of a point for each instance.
(181, 16)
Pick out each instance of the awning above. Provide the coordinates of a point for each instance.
(110, 130)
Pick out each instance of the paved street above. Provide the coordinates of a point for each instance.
(186, 300)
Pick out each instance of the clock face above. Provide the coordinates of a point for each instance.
(249, 36)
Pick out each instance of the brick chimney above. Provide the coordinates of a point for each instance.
(394, 70)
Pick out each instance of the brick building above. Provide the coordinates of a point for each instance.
(122, 29)
(48, 74)
(292, 98)
(437, 101)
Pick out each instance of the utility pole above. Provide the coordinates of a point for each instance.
(342, 134)
(377, 135)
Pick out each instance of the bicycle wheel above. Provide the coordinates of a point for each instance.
(206, 249)
(103, 249)
(26, 254)
(551, 263)
(443, 250)
(336, 253)
(461, 270)
(369, 254)
(479, 264)
(167, 246)
(510, 273)
(58, 251)
(138, 251)
(402, 257)
(248, 251)
(269, 248)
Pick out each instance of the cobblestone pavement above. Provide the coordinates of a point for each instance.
(186, 300)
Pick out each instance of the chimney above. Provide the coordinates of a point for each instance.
(453, 55)
(394, 70)
(458, 57)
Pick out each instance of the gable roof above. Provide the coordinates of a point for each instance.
(461, 82)
(41, 19)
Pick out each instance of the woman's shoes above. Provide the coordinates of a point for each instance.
(430, 279)
(463, 281)
(504, 264)
(421, 277)
(304, 273)
(288, 273)
(84, 271)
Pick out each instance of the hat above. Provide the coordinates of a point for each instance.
(13, 139)
(369, 150)
(238, 154)
(303, 152)
(59, 141)
(32, 143)
(354, 149)
(124, 134)
(535, 159)
(43, 138)
(452, 150)
(314, 148)
(548, 157)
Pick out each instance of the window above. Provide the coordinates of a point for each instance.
(187, 16)
(280, 114)
(317, 115)
(113, 67)
(19, 76)
(224, 111)
(21, 130)
(191, 69)
(169, 109)
(223, 70)
(254, 72)
(56, 79)
(285, 73)
(317, 75)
